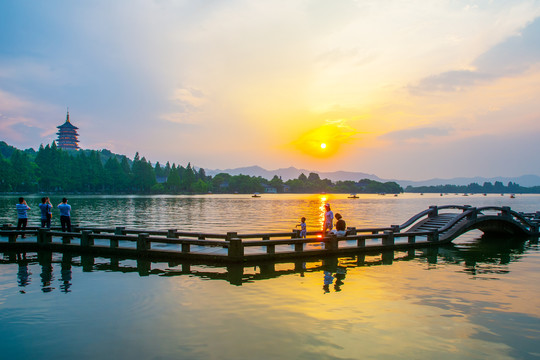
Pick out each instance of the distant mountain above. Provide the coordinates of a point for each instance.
(293, 173)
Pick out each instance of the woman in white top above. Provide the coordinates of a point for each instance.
(328, 219)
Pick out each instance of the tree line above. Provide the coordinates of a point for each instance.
(475, 188)
(53, 170)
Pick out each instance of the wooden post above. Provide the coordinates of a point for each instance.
(299, 247)
(120, 230)
(232, 235)
(411, 239)
(388, 238)
(42, 236)
(434, 211)
(295, 234)
(86, 239)
(236, 248)
(388, 257)
(144, 267)
(395, 228)
(114, 243)
(67, 239)
(270, 249)
(12, 237)
(171, 233)
(201, 237)
(505, 212)
(142, 242)
(186, 247)
(332, 243)
(473, 215)
(235, 272)
(361, 243)
(351, 230)
(433, 236)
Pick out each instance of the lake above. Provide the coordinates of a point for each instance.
(477, 298)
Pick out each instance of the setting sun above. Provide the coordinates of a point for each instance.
(323, 146)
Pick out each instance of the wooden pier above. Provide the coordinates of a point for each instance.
(434, 226)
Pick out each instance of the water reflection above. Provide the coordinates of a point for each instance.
(65, 273)
(23, 275)
(45, 260)
(488, 258)
(338, 277)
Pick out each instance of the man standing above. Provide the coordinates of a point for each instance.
(46, 213)
(65, 215)
(22, 215)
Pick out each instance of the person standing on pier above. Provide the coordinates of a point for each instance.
(46, 212)
(65, 215)
(22, 215)
(328, 219)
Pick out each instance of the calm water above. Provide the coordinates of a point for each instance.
(479, 298)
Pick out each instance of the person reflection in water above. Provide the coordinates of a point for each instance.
(329, 279)
(23, 275)
(46, 277)
(339, 275)
(65, 279)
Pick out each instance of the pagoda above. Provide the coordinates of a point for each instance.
(67, 135)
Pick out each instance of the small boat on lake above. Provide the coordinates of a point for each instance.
(353, 196)
(256, 195)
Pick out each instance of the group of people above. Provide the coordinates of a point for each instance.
(46, 214)
(328, 225)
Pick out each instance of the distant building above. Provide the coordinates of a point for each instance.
(269, 189)
(67, 135)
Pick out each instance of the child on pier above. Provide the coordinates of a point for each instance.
(303, 227)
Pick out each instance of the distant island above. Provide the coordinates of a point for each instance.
(51, 169)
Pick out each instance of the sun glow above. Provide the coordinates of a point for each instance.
(325, 141)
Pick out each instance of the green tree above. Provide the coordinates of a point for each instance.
(173, 180)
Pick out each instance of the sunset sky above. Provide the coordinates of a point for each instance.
(401, 89)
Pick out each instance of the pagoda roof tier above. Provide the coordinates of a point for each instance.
(67, 126)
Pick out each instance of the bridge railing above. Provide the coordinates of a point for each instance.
(468, 212)
(431, 212)
(506, 211)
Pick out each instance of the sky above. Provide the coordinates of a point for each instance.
(400, 89)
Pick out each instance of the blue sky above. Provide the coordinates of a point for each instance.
(402, 89)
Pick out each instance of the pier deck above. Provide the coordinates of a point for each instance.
(434, 226)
